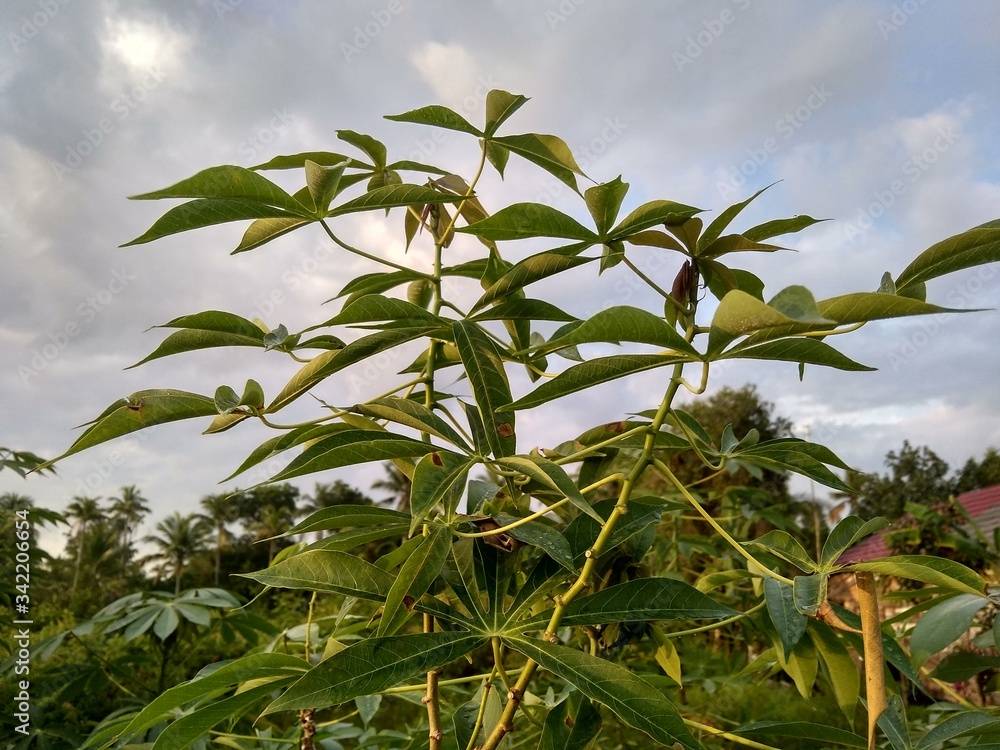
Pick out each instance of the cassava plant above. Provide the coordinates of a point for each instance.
(496, 589)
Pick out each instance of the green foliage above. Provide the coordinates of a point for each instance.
(546, 568)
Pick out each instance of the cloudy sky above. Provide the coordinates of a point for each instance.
(880, 116)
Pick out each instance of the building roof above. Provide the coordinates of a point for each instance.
(982, 505)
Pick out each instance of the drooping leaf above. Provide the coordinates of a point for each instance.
(802, 351)
(594, 372)
(329, 571)
(324, 182)
(392, 196)
(373, 148)
(799, 456)
(406, 411)
(634, 701)
(942, 625)
(552, 476)
(840, 666)
(540, 535)
(802, 730)
(372, 665)
(864, 306)
(936, 571)
(523, 309)
(206, 329)
(136, 412)
(414, 578)
(345, 516)
(787, 620)
(546, 151)
(485, 370)
(528, 271)
(438, 116)
(377, 307)
(201, 213)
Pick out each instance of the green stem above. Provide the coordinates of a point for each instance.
(513, 525)
(728, 735)
(719, 624)
(369, 256)
(665, 470)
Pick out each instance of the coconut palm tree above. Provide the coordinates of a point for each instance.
(180, 538)
(127, 512)
(220, 510)
(397, 484)
(272, 520)
(84, 510)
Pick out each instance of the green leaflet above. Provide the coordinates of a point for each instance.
(413, 414)
(524, 220)
(136, 412)
(634, 701)
(438, 116)
(803, 730)
(329, 571)
(785, 546)
(372, 665)
(437, 478)
(500, 105)
(344, 516)
(228, 183)
(974, 247)
(489, 383)
(845, 535)
(840, 667)
(787, 620)
(392, 196)
(546, 151)
(414, 578)
(624, 323)
(936, 571)
(942, 625)
(553, 476)
(206, 329)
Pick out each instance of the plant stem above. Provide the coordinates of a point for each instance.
(369, 256)
(514, 525)
(719, 624)
(728, 735)
(871, 632)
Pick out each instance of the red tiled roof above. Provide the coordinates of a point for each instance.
(982, 505)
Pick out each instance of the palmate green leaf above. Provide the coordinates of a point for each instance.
(803, 730)
(437, 478)
(739, 314)
(298, 161)
(802, 351)
(327, 571)
(942, 625)
(785, 546)
(406, 411)
(604, 201)
(840, 666)
(809, 593)
(181, 733)
(414, 578)
(371, 666)
(229, 182)
(957, 725)
(649, 215)
(634, 701)
(651, 599)
(206, 329)
(376, 307)
(788, 621)
(524, 220)
(937, 571)
(546, 151)
(266, 666)
(209, 212)
(524, 309)
(374, 149)
(438, 116)
(500, 105)
(352, 447)
(845, 535)
(968, 249)
(594, 372)
(393, 196)
(484, 368)
(552, 476)
(583, 530)
(280, 443)
(735, 243)
(345, 516)
(323, 182)
(799, 456)
(718, 225)
(530, 270)
(625, 323)
(138, 411)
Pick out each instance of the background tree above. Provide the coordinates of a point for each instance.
(83, 511)
(127, 512)
(179, 539)
(219, 511)
(975, 475)
(397, 484)
(916, 475)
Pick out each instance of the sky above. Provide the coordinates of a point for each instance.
(878, 116)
